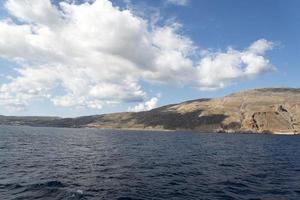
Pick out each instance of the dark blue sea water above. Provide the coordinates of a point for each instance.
(53, 163)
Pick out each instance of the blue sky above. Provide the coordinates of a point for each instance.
(211, 25)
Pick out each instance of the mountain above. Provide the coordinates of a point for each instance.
(270, 110)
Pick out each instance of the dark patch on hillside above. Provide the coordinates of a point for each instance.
(172, 120)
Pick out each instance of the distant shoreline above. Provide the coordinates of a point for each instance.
(161, 130)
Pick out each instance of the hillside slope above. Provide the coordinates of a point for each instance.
(275, 110)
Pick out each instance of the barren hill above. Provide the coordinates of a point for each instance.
(274, 110)
(261, 110)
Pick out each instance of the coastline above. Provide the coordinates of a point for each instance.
(164, 130)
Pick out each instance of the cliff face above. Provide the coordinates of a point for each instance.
(263, 110)
(275, 110)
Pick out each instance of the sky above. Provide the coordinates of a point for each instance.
(84, 57)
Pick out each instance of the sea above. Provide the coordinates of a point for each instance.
(71, 164)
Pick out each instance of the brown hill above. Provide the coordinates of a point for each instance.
(275, 110)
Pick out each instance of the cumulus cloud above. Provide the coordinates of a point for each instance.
(218, 69)
(41, 12)
(93, 54)
(178, 2)
(145, 106)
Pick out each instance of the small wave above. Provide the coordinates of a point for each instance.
(126, 198)
(51, 189)
(49, 184)
(260, 175)
(10, 186)
(227, 165)
(234, 184)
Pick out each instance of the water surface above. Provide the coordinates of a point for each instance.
(57, 163)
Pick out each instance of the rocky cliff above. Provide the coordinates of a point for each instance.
(275, 110)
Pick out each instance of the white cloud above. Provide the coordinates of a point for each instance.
(261, 46)
(37, 11)
(216, 70)
(145, 106)
(96, 54)
(178, 2)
